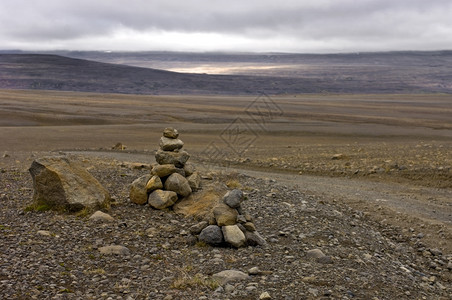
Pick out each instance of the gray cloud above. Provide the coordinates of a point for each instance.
(317, 25)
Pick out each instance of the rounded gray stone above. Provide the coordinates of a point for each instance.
(211, 235)
(233, 198)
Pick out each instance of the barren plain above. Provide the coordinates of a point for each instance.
(366, 178)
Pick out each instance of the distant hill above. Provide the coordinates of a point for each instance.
(343, 73)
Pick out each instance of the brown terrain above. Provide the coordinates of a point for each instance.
(386, 158)
(366, 178)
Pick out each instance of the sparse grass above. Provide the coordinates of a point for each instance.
(185, 281)
(83, 213)
(3, 227)
(233, 184)
(157, 257)
(62, 264)
(231, 259)
(39, 207)
(201, 244)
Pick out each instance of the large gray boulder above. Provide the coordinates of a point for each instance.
(178, 184)
(175, 158)
(168, 144)
(160, 199)
(138, 190)
(62, 183)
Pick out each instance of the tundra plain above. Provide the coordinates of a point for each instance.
(378, 160)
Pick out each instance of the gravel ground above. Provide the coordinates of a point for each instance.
(49, 255)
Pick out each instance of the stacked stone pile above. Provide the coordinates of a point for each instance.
(170, 179)
(229, 224)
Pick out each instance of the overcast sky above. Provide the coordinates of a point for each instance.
(229, 25)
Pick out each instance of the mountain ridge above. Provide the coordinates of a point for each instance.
(55, 72)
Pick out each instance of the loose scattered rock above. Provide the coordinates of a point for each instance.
(44, 232)
(372, 258)
(101, 216)
(315, 253)
(255, 239)
(228, 276)
(264, 296)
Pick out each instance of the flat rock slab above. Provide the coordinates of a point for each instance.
(166, 170)
(44, 232)
(170, 144)
(227, 276)
(315, 254)
(101, 216)
(175, 158)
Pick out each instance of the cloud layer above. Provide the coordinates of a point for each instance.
(203, 25)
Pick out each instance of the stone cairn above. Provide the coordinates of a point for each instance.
(173, 179)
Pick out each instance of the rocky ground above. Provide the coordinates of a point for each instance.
(49, 255)
(420, 162)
